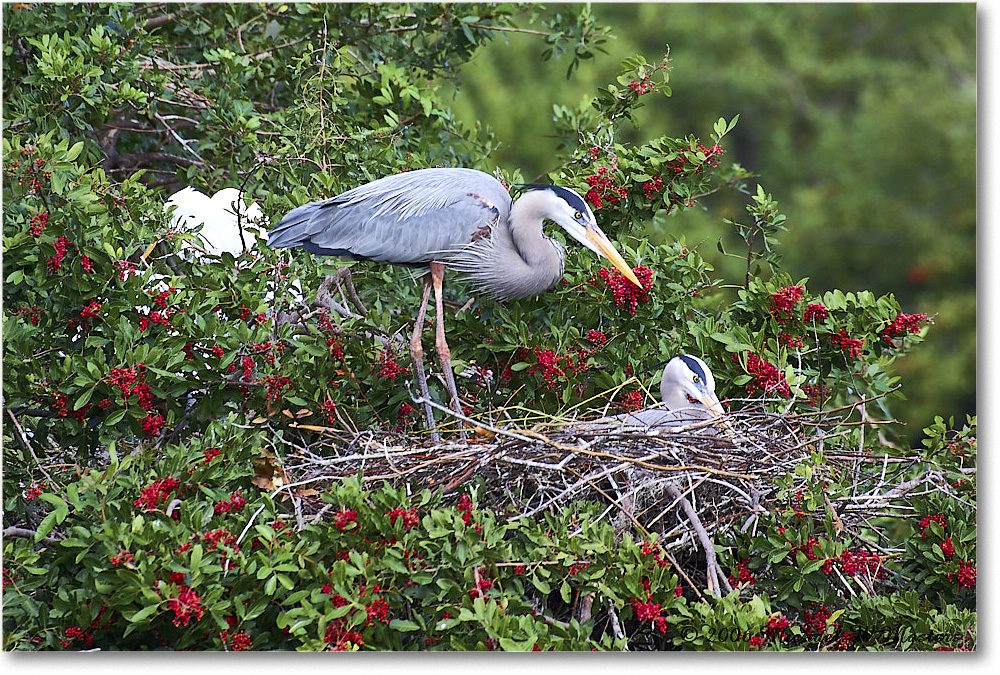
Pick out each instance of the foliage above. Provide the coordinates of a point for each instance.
(171, 554)
(143, 509)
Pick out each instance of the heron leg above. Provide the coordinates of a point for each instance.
(444, 353)
(417, 356)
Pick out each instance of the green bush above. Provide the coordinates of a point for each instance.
(156, 399)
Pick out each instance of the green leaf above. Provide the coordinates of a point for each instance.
(403, 625)
(115, 417)
(84, 398)
(53, 499)
(48, 522)
(142, 614)
(197, 552)
(75, 151)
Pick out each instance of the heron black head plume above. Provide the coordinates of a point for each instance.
(575, 201)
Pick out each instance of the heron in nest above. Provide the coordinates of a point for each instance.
(687, 389)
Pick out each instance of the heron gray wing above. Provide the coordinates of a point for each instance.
(404, 219)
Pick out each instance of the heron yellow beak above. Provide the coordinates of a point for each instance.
(608, 250)
(712, 402)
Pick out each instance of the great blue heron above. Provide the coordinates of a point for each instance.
(687, 389)
(450, 217)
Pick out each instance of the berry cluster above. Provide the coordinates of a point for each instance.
(61, 245)
(464, 507)
(221, 539)
(130, 382)
(86, 635)
(649, 611)
(404, 416)
(554, 367)
(378, 610)
(815, 393)
(681, 164)
(742, 575)
(123, 558)
(814, 312)
(785, 302)
(156, 316)
(38, 223)
(155, 494)
(235, 503)
(862, 562)
(806, 549)
(651, 548)
(939, 518)
(34, 491)
(345, 518)
(850, 346)
(766, 377)
(125, 269)
(480, 587)
(603, 186)
(409, 517)
(625, 293)
(329, 410)
(238, 642)
(342, 638)
(30, 172)
(903, 324)
(642, 86)
(793, 341)
(814, 622)
(185, 606)
(631, 401)
(776, 626)
(33, 313)
(652, 188)
(965, 576)
(597, 337)
(152, 423)
(387, 365)
(276, 386)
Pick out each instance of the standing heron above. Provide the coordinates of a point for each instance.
(450, 217)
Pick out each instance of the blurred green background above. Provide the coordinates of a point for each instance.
(859, 119)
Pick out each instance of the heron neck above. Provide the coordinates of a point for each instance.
(526, 217)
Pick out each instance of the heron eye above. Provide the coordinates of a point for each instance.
(695, 379)
(578, 215)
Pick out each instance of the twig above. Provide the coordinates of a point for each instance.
(715, 576)
(27, 534)
(23, 439)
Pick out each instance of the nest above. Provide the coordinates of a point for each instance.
(686, 481)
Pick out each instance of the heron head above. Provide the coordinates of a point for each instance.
(687, 382)
(571, 212)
